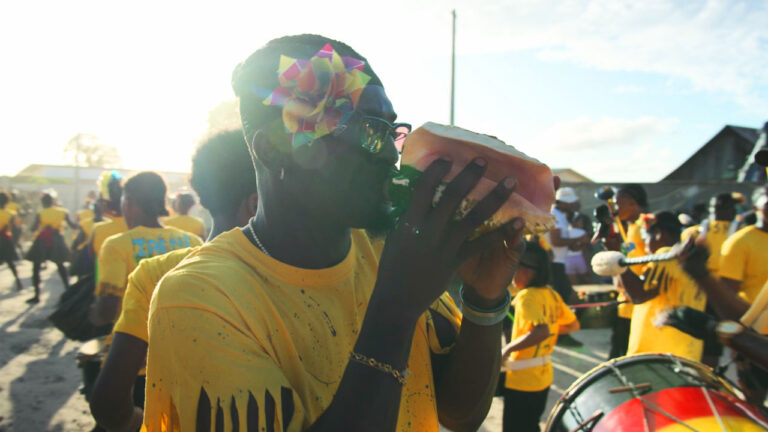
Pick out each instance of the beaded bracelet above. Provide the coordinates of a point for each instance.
(383, 367)
(485, 317)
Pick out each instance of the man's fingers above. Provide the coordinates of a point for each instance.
(486, 207)
(455, 192)
(421, 201)
(507, 236)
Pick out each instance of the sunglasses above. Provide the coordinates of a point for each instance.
(375, 133)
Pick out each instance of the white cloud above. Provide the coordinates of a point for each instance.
(714, 45)
(586, 133)
(607, 149)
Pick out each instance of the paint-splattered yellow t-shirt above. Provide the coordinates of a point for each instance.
(676, 288)
(744, 258)
(238, 336)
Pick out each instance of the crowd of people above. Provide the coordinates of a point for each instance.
(307, 308)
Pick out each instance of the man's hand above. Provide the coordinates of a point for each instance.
(425, 251)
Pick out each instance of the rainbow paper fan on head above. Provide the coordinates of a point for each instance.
(105, 179)
(317, 94)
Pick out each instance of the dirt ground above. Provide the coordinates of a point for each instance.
(39, 378)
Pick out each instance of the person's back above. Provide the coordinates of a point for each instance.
(53, 217)
(743, 258)
(186, 223)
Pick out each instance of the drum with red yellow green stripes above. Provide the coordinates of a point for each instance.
(653, 393)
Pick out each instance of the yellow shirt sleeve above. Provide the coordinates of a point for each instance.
(445, 307)
(112, 270)
(249, 388)
(757, 314)
(733, 259)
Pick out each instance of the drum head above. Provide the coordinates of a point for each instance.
(602, 389)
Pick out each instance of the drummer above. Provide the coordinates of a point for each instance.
(712, 232)
(540, 315)
(664, 285)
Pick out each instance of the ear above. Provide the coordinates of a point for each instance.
(272, 158)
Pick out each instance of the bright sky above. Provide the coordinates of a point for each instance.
(616, 90)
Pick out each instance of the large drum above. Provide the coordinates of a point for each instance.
(652, 392)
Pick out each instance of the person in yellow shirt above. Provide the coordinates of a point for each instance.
(663, 286)
(296, 321)
(16, 229)
(182, 220)
(631, 203)
(143, 203)
(730, 306)
(220, 176)
(744, 255)
(540, 316)
(713, 232)
(110, 194)
(7, 249)
(49, 244)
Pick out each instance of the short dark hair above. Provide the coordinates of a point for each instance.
(537, 259)
(255, 78)
(46, 199)
(667, 221)
(115, 189)
(185, 199)
(3, 199)
(148, 189)
(222, 172)
(636, 192)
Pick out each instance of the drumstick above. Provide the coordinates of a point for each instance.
(597, 304)
(612, 263)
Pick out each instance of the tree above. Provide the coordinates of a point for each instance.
(89, 151)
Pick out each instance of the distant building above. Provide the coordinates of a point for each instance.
(61, 178)
(568, 175)
(721, 158)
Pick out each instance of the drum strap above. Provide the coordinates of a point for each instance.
(514, 365)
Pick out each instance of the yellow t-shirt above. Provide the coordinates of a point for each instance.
(676, 289)
(12, 207)
(757, 314)
(53, 217)
(186, 223)
(635, 236)
(105, 229)
(717, 232)
(84, 214)
(141, 285)
(121, 253)
(744, 257)
(535, 306)
(257, 333)
(5, 219)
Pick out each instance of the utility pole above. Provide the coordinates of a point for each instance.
(76, 204)
(453, 64)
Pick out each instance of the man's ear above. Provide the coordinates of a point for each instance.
(267, 153)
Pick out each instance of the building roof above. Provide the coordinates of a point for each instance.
(567, 175)
(746, 135)
(85, 173)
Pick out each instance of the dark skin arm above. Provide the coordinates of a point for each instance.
(722, 295)
(111, 401)
(752, 346)
(537, 335)
(105, 310)
(414, 270)
(556, 238)
(71, 224)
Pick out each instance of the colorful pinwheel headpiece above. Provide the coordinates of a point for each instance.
(317, 94)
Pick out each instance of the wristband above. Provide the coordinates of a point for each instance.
(484, 317)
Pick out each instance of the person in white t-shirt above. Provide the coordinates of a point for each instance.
(565, 203)
(575, 265)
